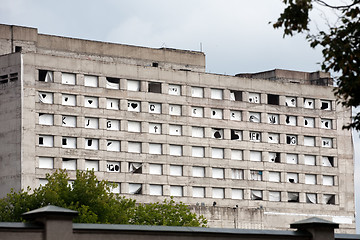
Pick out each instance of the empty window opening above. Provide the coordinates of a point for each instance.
(135, 167)
(217, 133)
(255, 156)
(154, 87)
(274, 196)
(311, 198)
(309, 122)
(175, 110)
(133, 85)
(292, 178)
(155, 128)
(13, 77)
(235, 115)
(216, 113)
(197, 111)
(198, 171)
(176, 191)
(112, 104)
(310, 179)
(46, 119)
(155, 148)
(326, 123)
(68, 78)
(134, 126)
(290, 120)
(174, 89)
(310, 160)
(291, 158)
(133, 106)
(197, 92)
(216, 94)
(236, 134)
(18, 48)
(256, 195)
(156, 190)
(46, 76)
(326, 142)
(69, 163)
(92, 165)
(291, 139)
(175, 150)
(256, 175)
(236, 154)
(197, 132)
(3, 79)
(237, 194)
(91, 81)
(112, 83)
(293, 197)
(328, 180)
(175, 130)
(113, 167)
(309, 141)
(91, 122)
(254, 97)
(68, 100)
(255, 136)
(273, 99)
(273, 137)
(217, 172)
(273, 118)
(135, 188)
(218, 193)
(176, 170)
(134, 147)
(46, 162)
(290, 101)
(325, 105)
(46, 141)
(217, 152)
(91, 102)
(329, 199)
(274, 177)
(309, 103)
(113, 145)
(327, 161)
(237, 174)
(69, 142)
(155, 64)
(112, 124)
(92, 144)
(68, 121)
(155, 169)
(254, 117)
(235, 95)
(155, 108)
(198, 151)
(45, 97)
(198, 192)
(274, 157)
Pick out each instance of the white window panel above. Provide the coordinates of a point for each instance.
(197, 111)
(309, 141)
(256, 195)
(311, 198)
(236, 154)
(135, 188)
(290, 101)
(155, 148)
(176, 170)
(217, 152)
(216, 113)
(68, 100)
(113, 145)
(156, 190)
(69, 164)
(235, 115)
(175, 150)
(274, 157)
(116, 188)
(290, 120)
(112, 83)
(309, 103)
(309, 122)
(255, 156)
(68, 142)
(236, 135)
(175, 130)
(112, 124)
(237, 174)
(273, 138)
(46, 97)
(254, 117)
(326, 123)
(155, 169)
(91, 81)
(254, 97)
(256, 175)
(292, 177)
(175, 110)
(112, 104)
(92, 165)
(326, 142)
(255, 136)
(327, 161)
(68, 78)
(218, 193)
(217, 133)
(197, 151)
(133, 85)
(46, 140)
(198, 171)
(310, 179)
(68, 121)
(91, 102)
(46, 119)
(133, 106)
(291, 158)
(198, 192)
(91, 144)
(134, 147)
(113, 166)
(217, 172)
(328, 180)
(216, 93)
(197, 92)
(291, 139)
(174, 89)
(43, 182)
(155, 128)
(310, 160)
(176, 191)
(197, 132)
(91, 122)
(273, 118)
(237, 194)
(46, 162)
(274, 196)
(134, 126)
(325, 105)
(155, 108)
(274, 177)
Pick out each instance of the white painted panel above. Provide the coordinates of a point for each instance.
(135, 188)
(255, 136)
(134, 147)
(134, 106)
(69, 142)
(112, 124)
(91, 144)
(68, 78)
(113, 145)
(273, 137)
(310, 160)
(256, 195)
(217, 152)
(218, 193)
(175, 150)
(255, 175)
(311, 198)
(290, 120)
(310, 179)
(197, 132)
(43, 182)
(274, 196)
(112, 83)
(69, 164)
(290, 101)
(68, 100)
(255, 156)
(237, 174)
(326, 123)
(91, 122)
(175, 110)
(327, 161)
(175, 130)
(46, 119)
(236, 135)
(176, 170)
(274, 157)
(46, 162)
(68, 121)
(197, 111)
(174, 89)
(236, 154)
(198, 192)
(254, 97)
(197, 151)
(133, 85)
(217, 172)
(309, 103)
(46, 140)
(155, 108)
(92, 165)
(325, 105)
(91, 81)
(155, 148)
(198, 171)
(155, 169)
(116, 188)
(134, 126)
(155, 128)
(176, 191)
(235, 115)
(216, 113)
(217, 133)
(237, 194)
(326, 142)
(328, 180)
(156, 190)
(91, 102)
(197, 92)
(112, 104)
(291, 139)
(292, 177)
(309, 122)
(216, 93)
(274, 177)
(291, 158)
(113, 166)
(273, 118)
(46, 97)
(254, 117)
(309, 141)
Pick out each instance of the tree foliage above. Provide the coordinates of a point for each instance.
(340, 43)
(95, 203)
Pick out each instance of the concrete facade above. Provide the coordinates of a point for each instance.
(244, 150)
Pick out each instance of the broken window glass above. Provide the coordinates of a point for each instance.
(113, 166)
(326, 142)
(309, 122)
(46, 76)
(112, 124)
(69, 142)
(68, 100)
(197, 111)
(235, 115)
(155, 128)
(311, 198)
(309, 103)
(273, 99)
(255, 136)
(68, 78)
(254, 97)
(135, 188)
(155, 108)
(273, 118)
(292, 177)
(175, 110)
(216, 113)
(154, 87)
(290, 101)
(236, 134)
(112, 104)
(235, 95)
(112, 83)
(291, 139)
(274, 157)
(290, 120)
(133, 106)
(329, 199)
(293, 197)
(256, 195)
(174, 89)
(135, 167)
(46, 141)
(217, 133)
(273, 137)
(91, 102)
(254, 117)
(91, 144)
(325, 105)
(327, 161)
(68, 121)
(46, 97)
(326, 123)
(113, 145)
(91, 122)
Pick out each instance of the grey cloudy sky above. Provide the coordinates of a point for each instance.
(234, 34)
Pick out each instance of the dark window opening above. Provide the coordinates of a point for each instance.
(237, 95)
(293, 197)
(18, 49)
(64, 141)
(13, 76)
(42, 75)
(41, 140)
(273, 99)
(235, 135)
(3, 79)
(89, 142)
(155, 64)
(275, 158)
(138, 191)
(331, 200)
(135, 167)
(331, 161)
(154, 87)
(325, 105)
(113, 80)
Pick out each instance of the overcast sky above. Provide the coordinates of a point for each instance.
(235, 35)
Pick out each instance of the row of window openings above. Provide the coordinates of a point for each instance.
(8, 78)
(155, 87)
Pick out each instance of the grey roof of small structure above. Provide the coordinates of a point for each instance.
(50, 210)
(314, 221)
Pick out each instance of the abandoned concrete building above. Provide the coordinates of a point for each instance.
(256, 151)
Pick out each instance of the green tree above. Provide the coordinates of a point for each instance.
(340, 43)
(95, 203)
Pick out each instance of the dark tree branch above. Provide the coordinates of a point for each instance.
(323, 3)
